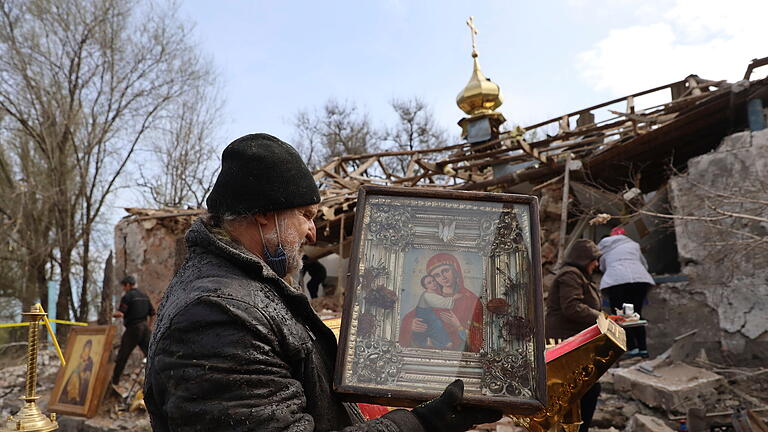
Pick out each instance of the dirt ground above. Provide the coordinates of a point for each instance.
(742, 387)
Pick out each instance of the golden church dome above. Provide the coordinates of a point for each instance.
(480, 95)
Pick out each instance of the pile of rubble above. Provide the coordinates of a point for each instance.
(661, 394)
(12, 382)
(113, 415)
(637, 396)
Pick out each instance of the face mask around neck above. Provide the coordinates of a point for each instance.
(277, 261)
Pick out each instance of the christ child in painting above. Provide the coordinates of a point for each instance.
(462, 321)
(436, 335)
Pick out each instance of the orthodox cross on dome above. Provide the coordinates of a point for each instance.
(479, 99)
(473, 32)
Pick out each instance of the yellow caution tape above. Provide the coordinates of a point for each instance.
(14, 325)
(77, 323)
(48, 327)
(57, 321)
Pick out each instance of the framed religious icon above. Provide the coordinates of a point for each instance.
(80, 385)
(444, 285)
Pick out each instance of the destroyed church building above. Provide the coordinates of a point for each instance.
(682, 167)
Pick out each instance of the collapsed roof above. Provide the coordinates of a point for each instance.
(619, 144)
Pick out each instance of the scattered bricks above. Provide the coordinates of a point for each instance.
(608, 416)
(643, 423)
(675, 386)
(124, 423)
(611, 409)
(629, 410)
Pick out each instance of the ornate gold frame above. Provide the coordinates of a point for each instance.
(502, 231)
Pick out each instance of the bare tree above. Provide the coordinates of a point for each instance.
(183, 161)
(338, 129)
(341, 129)
(347, 131)
(415, 129)
(25, 222)
(84, 83)
(307, 138)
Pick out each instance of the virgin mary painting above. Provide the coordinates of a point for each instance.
(448, 316)
(76, 388)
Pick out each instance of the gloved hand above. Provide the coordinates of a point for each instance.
(444, 414)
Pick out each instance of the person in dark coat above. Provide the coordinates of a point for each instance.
(573, 305)
(236, 347)
(317, 275)
(135, 309)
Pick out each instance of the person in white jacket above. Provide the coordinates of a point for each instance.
(625, 280)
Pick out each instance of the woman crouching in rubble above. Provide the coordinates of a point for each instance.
(625, 280)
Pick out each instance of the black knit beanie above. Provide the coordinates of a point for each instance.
(260, 174)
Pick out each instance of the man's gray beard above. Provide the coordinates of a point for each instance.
(291, 247)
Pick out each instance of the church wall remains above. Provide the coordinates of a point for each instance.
(149, 245)
(726, 260)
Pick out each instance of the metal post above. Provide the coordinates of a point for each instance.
(29, 418)
(341, 269)
(564, 210)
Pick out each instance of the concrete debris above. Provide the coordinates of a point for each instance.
(630, 400)
(606, 381)
(643, 423)
(631, 194)
(734, 289)
(676, 385)
(610, 413)
(124, 423)
(108, 419)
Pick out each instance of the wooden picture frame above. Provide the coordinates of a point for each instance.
(443, 285)
(80, 385)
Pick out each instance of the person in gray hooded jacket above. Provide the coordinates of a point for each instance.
(625, 280)
(236, 348)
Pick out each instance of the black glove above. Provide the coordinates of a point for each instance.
(444, 414)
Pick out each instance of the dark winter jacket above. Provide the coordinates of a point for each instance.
(573, 302)
(237, 349)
